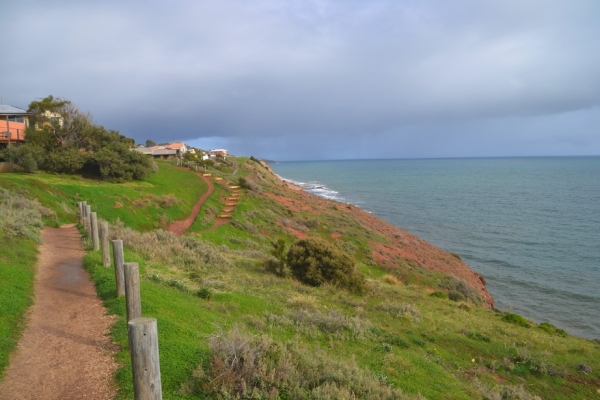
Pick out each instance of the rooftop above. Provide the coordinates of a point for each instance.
(11, 110)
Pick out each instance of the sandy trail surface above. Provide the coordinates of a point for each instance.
(65, 352)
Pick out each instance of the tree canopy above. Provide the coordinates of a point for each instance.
(63, 139)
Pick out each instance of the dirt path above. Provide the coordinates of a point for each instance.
(179, 227)
(65, 352)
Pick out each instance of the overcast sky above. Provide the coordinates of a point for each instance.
(319, 79)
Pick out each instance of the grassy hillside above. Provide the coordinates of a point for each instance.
(230, 329)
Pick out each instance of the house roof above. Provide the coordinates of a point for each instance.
(11, 110)
(163, 152)
(174, 145)
(143, 150)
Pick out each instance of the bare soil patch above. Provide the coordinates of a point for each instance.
(65, 352)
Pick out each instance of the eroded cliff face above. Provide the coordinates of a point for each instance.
(397, 245)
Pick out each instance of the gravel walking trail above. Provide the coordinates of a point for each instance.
(65, 352)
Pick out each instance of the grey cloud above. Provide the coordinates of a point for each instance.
(295, 74)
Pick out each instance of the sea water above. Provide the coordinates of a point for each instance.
(530, 226)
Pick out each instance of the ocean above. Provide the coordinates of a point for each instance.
(530, 226)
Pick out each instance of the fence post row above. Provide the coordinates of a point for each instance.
(119, 259)
(143, 346)
(142, 332)
(104, 243)
(132, 290)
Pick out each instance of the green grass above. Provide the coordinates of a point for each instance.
(115, 200)
(445, 353)
(17, 261)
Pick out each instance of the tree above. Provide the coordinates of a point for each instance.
(279, 263)
(190, 157)
(60, 120)
(315, 261)
(150, 143)
(65, 140)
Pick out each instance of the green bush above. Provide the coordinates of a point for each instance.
(204, 293)
(315, 261)
(459, 290)
(455, 296)
(277, 265)
(249, 184)
(21, 217)
(545, 326)
(516, 319)
(478, 336)
(439, 295)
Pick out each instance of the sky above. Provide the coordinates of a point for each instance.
(319, 79)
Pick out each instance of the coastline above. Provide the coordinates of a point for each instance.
(403, 244)
(535, 250)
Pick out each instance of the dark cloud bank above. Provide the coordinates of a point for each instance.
(320, 79)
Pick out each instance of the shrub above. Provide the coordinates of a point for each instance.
(204, 293)
(506, 392)
(396, 340)
(348, 247)
(277, 264)
(478, 336)
(439, 295)
(455, 296)
(249, 367)
(314, 261)
(186, 252)
(177, 284)
(248, 183)
(545, 326)
(303, 302)
(26, 156)
(22, 217)
(391, 280)
(453, 254)
(516, 319)
(401, 311)
(461, 287)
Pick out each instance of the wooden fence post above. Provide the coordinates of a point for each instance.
(132, 290)
(80, 212)
(88, 215)
(105, 244)
(143, 346)
(95, 239)
(118, 259)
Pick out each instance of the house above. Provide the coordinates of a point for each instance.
(217, 152)
(180, 147)
(176, 149)
(13, 122)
